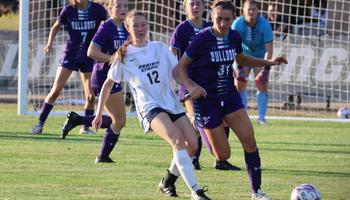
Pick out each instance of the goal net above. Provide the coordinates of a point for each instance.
(315, 83)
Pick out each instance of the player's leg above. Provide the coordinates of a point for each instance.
(115, 107)
(90, 100)
(242, 85)
(61, 78)
(170, 132)
(186, 98)
(262, 97)
(242, 127)
(225, 165)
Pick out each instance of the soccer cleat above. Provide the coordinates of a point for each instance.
(260, 195)
(199, 195)
(195, 164)
(169, 190)
(100, 159)
(242, 76)
(86, 131)
(263, 77)
(70, 123)
(225, 165)
(37, 129)
(262, 122)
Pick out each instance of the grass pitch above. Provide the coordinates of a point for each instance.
(46, 167)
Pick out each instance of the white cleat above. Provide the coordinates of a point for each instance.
(260, 195)
(86, 131)
(37, 129)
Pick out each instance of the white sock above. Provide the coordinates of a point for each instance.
(173, 168)
(184, 165)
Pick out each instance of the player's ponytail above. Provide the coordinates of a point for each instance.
(120, 54)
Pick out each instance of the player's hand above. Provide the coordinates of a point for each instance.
(48, 48)
(263, 77)
(196, 91)
(278, 60)
(96, 123)
(242, 76)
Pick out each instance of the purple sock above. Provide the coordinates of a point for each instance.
(45, 111)
(110, 139)
(87, 120)
(87, 112)
(227, 131)
(199, 150)
(205, 139)
(253, 166)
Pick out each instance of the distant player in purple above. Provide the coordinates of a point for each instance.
(211, 55)
(109, 37)
(81, 18)
(181, 38)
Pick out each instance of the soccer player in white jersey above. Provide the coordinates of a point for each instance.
(211, 54)
(147, 68)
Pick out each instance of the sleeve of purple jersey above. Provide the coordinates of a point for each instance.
(172, 61)
(101, 36)
(62, 18)
(239, 48)
(194, 50)
(176, 39)
(115, 73)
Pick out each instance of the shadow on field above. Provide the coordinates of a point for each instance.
(299, 172)
(305, 150)
(306, 144)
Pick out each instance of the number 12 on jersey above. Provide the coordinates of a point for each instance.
(153, 78)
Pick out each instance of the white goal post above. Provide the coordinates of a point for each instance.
(315, 83)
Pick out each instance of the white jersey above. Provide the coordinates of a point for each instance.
(148, 73)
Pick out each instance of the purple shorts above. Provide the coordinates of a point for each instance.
(210, 115)
(84, 67)
(183, 93)
(97, 89)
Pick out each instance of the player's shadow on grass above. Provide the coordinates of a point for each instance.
(306, 150)
(302, 172)
(306, 144)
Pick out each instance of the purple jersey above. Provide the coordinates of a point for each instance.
(109, 38)
(212, 57)
(82, 26)
(183, 35)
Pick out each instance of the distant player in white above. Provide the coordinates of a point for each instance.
(147, 68)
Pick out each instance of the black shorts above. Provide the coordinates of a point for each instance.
(155, 111)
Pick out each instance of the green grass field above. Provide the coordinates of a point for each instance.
(46, 167)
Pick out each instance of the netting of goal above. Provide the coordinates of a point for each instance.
(315, 83)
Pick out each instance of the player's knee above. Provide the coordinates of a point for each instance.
(241, 89)
(192, 148)
(177, 140)
(90, 98)
(249, 144)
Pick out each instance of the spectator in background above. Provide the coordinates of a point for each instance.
(7, 6)
(279, 23)
(319, 10)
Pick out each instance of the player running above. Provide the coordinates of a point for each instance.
(211, 54)
(147, 68)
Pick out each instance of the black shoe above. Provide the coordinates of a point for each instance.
(100, 159)
(195, 164)
(70, 123)
(169, 190)
(199, 195)
(225, 165)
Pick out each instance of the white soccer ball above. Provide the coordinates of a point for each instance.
(306, 192)
(343, 113)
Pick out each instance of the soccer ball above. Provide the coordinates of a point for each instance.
(306, 192)
(343, 113)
